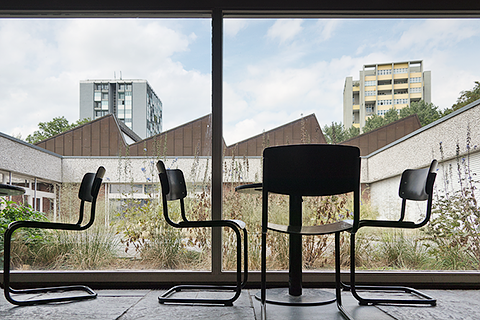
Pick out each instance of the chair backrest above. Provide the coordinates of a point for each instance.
(311, 169)
(90, 185)
(417, 184)
(172, 181)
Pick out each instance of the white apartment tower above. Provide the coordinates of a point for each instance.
(382, 87)
(133, 102)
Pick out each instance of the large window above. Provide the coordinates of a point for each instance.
(285, 73)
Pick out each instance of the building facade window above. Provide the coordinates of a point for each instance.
(384, 72)
(384, 102)
(415, 80)
(401, 101)
(370, 93)
(370, 83)
(400, 70)
(415, 90)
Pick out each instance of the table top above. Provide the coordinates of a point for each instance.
(9, 190)
(250, 188)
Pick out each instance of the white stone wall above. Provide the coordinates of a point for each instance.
(419, 148)
(382, 169)
(24, 159)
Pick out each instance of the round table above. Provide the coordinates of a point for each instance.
(294, 295)
(10, 190)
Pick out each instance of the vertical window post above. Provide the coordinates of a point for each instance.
(217, 136)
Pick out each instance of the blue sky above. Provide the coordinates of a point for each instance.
(274, 70)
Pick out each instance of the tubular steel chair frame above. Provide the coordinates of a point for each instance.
(310, 170)
(174, 188)
(88, 192)
(415, 185)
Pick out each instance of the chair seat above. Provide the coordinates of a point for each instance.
(211, 223)
(387, 223)
(339, 226)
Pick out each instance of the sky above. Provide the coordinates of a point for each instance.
(275, 71)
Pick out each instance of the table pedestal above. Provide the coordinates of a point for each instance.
(309, 297)
(295, 295)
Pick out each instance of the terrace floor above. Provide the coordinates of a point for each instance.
(143, 305)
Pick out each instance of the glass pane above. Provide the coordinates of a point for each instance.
(165, 63)
(319, 80)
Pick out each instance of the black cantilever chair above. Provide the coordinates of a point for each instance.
(174, 188)
(415, 185)
(308, 170)
(88, 192)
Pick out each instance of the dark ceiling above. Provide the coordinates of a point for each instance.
(245, 8)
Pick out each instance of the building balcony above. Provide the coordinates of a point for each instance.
(385, 87)
(400, 86)
(385, 77)
(400, 76)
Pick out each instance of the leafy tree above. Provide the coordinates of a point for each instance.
(375, 121)
(426, 112)
(391, 115)
(465, 98)
(51, 128)
(336, 132)
(351, 132)
(333, 133)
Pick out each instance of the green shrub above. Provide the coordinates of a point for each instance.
(13, 211)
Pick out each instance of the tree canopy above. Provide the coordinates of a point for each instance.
(336, 132)
(50, 128)
(466, 97)
(426, 112)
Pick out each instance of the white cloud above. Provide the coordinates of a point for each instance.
(327, 28)
(285, 30)
(234, 26)
(301, 70)
(41, 69)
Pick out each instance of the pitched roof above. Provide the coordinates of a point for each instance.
(380, 137)
(99, 137)
(303, 130)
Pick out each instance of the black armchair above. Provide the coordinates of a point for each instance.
(174, 188)
(88, 192)
(415, 185)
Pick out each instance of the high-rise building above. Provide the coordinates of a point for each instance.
(382, 87)
(133, 102)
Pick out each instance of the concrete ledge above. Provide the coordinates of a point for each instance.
(162, 279)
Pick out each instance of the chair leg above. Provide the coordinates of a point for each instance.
(165, 298)
(263, 272)
(8, 291)
(338, 282)
(426, 299)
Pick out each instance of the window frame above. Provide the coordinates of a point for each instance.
(233, 9)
